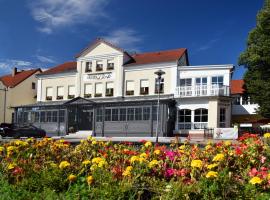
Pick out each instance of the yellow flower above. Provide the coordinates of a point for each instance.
(52, 164)
(255, 180)
(94, 142)
(207, 147)
(11, 166)
(134, 159)
(97, 160)
(11, 148)
(228, 143)
(211, 166)
(153, 163)
(266, 135)
(127, 172)
(142, 159)
(211, 174)
(218, 157)
(72, 178)
(64, 164)
(143, 155)
(157, 152)
(86, 162)
(21, 143)
(196, 163)
(148, 144)
(90, 180)
(2, 149)
(182, 147)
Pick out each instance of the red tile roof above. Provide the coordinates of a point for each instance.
(237, 86)
(65, 67)
(12, 81)
(157, 57)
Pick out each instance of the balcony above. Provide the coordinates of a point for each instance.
(202, 90)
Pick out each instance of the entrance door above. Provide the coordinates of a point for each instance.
(85, 120)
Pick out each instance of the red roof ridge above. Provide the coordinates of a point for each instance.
(161, 51)
(12, 81)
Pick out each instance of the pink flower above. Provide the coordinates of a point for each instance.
(263, 158)
(169, 172)
(253, 172)
(170, 155)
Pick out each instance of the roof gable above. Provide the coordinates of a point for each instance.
(94, 44)
(13, 81)
(157, 57)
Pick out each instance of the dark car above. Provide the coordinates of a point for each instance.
(17, 131)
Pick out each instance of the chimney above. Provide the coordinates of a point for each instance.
(15, 71)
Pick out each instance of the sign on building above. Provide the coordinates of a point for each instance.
(99, 76)
(226, 133)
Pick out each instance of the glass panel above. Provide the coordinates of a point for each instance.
(130, 114)
(62, 116)
(49, 116)
(54, 116)
(36, 116)
(42, 116)
(123, 113)
(115, 114)
(138, 113)
(146, 113)
(99, 115)
(108, 115)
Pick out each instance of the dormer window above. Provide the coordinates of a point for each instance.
(88, 67)
(110, 65)
(99, 66)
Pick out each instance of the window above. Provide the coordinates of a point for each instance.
(201, 86)
(144, 87)
(185, 82)
(201, 81)
(222, 117)
(123, 114)
(109, 89)
(42, 116)
(217, 80)
(108, 115)
(130, 114)
(49, 116)
(33, 85)
(130, 88)
(161, 88)
(71, 92)
(245, 100)
(62, 116)
(236, 101)
(99, 66)
(54, 116)
(115, 112)
(110, 65)
(60, 93)
(49, 93)
(88, 67)
(200, 118)
(185, 87)
(184, 119)
(99, 115)
(138, 113)
(87, 90)
(146, 113)
(36, 117)
(98, 90)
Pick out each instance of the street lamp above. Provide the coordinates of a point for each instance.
(159, 73)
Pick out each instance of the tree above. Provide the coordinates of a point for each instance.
(256, 58)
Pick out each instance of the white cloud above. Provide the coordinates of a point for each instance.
(126, 38)
(45, 59)
(208, 45)
(53, 14)
(6, 65)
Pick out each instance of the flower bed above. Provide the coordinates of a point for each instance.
(103, 170)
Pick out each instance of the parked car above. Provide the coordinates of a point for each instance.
(17, 131)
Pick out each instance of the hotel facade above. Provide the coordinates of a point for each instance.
(113, 93)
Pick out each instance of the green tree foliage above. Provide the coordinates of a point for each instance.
(256, 58)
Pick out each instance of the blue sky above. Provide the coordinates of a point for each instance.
(44, 33)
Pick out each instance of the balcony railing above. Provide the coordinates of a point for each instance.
(202, 90)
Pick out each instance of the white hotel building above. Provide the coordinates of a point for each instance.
(114, 93)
